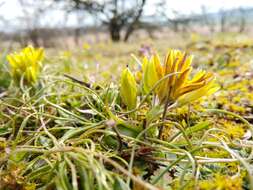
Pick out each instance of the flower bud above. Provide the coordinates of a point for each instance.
(128, 89)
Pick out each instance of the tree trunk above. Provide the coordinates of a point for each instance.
(34, 37)
(77, 33)
(175, 26)
(115, 28)
(242, 21)
(133, 25)
(223, 22)
(129, 31)
(242, 25)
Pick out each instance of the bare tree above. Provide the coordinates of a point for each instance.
(208, 20)
(223, 20)
(181, 22)
(178, 22)
(115, 14)
(33, 13)
(242, 21)
(80, 17)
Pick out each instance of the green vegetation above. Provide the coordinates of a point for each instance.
(76, 123)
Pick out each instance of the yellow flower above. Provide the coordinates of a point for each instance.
(86, 46)
(26, 64)
(152, 72)
(178, 85)
(128, 89)
(67, 54)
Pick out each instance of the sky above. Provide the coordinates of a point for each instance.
(10, 10)
(194, 6)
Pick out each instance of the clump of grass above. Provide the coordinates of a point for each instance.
(5, 78)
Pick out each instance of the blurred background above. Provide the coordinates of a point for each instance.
(70, 23)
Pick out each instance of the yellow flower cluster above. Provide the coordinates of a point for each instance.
(170, 80)
(26, 64)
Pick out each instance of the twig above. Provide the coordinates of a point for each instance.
(78, 81)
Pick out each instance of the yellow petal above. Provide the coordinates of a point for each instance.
(196, 94)
(159, 68)
(181, 80)
(190, 87)
(187, 63)
(150, 75)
